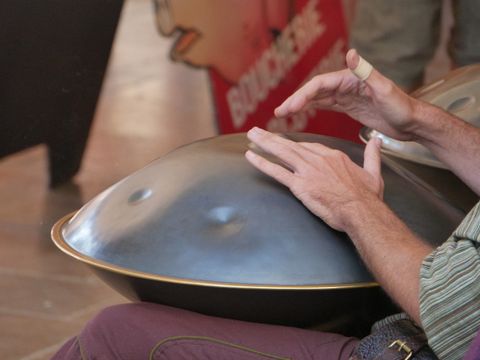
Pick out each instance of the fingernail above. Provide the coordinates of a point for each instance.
(249, 154)
(378, 142)
(253, 133)
(279, 112)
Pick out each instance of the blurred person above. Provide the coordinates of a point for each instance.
(399, 37)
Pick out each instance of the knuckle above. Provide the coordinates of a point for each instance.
(312, 84)
(387, 87)
(267, 135)
(307, 146)
(282, 152)
(337, 154)
(297, 186)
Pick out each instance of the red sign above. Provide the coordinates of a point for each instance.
(313, 42)
(257, 53)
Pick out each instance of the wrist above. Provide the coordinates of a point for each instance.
(427, 122)
(357, 213)
(419, 111)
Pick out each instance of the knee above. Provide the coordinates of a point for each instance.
(123, 318)
(128, 328)
(114, 313)
(112, 317)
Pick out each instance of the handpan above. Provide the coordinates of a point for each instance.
(201, 229)
(458, 93)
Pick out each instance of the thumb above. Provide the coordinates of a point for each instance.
(372, 159)
(364, 71)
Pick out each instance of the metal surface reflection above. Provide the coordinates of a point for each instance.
(214, 226)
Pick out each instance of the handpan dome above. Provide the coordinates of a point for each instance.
(202, 229)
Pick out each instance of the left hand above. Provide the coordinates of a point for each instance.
(376, 102)
(325, 180)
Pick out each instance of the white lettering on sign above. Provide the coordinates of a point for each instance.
(334, 60)
(255, 85)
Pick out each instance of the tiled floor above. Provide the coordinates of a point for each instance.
(148, 106)
(45, 296)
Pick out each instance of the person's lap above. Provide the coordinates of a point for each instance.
(151, 331)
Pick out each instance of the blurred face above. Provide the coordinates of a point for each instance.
(227, 35)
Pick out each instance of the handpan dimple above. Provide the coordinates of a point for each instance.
(224, 221)
(202, 229)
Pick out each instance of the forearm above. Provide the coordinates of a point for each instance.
(390, 250)
(453, 141)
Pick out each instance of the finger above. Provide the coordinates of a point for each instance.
(275, 171)
(324, 94)
(316, 148)
(317, 86)
(360, 67)
(327, 103)
(364, 71)
(283, 109)
(285, 150)
(372, 158)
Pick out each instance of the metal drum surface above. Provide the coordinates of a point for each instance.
(203, 230)
(457, 93)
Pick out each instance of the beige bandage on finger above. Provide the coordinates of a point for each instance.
(363, 69)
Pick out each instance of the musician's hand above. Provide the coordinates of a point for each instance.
(326, 181)
(376, 102)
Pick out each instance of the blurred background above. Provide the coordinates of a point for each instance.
(148, 105)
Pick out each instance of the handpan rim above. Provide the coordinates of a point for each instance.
(59, 241)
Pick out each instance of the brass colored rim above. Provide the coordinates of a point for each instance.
(57, 238)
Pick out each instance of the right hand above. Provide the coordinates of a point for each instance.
(376, 102)
(325, 180)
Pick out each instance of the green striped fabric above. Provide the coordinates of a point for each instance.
(450, 290)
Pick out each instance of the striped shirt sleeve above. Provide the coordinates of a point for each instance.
(450, 290)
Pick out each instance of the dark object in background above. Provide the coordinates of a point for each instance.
(53, 58)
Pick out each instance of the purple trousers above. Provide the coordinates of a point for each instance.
(151, 331)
